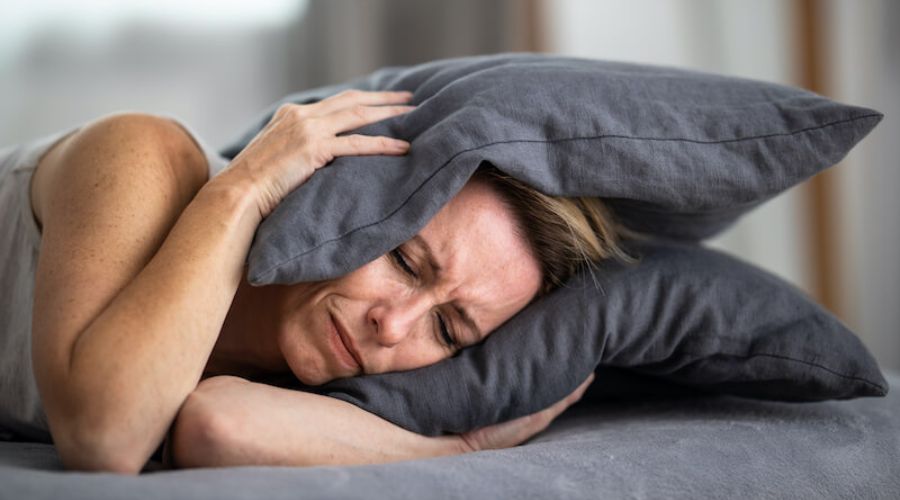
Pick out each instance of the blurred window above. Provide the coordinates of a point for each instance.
(94, 20)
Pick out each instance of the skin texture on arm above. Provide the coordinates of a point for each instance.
(229, 421)
(127, 311)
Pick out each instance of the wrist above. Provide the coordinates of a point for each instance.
(441, 446)
(236, 195)
(262, 189)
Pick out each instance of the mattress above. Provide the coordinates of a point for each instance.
(716, 446)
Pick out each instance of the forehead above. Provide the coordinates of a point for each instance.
(487, 267)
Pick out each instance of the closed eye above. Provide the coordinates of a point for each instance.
(398, 258)
(447, 336)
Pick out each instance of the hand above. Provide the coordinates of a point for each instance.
(514, 432)
(299, 139)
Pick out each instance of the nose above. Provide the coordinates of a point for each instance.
(395, 318)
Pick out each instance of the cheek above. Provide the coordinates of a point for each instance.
(295, 332)
(375, 277)
(416, 355)
(295, 342)
(517, 287)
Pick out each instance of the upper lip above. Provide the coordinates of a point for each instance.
(348, 342)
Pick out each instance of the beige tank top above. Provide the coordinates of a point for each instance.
(21, 413)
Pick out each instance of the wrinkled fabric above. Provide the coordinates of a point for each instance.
(686, 319)
(718, 447)
(677, 153)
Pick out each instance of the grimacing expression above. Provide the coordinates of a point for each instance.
(465, 273)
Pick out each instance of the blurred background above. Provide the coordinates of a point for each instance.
(216, 64)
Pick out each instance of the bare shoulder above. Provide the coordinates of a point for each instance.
(106, 197)
(83, 157)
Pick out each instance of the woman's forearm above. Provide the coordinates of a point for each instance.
(134, 365)
(229, 421)
(136, 275)
(112, 390)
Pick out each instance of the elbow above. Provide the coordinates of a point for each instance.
(200, 436)
(203, 435)
(94, 436)
(97, 450)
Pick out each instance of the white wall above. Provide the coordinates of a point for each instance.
(865, 69)
(64, 63)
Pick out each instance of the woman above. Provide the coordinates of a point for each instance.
(144, 329)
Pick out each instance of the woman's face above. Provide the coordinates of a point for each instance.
(462, 276)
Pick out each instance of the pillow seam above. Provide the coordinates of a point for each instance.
(449, 160)
(802, 361)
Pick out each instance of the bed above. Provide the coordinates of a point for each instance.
(698, 319)
(675, 447)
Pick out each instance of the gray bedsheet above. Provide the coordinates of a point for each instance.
(717, 447)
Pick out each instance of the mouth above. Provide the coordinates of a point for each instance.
(343, 347)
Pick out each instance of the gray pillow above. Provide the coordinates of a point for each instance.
(685, 320)
(677, 153)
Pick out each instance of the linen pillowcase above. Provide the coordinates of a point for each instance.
(677, 153)
(694, 319)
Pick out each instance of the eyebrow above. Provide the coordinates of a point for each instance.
(429, 256)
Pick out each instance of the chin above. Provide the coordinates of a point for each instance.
(307, 370)
(300, 346)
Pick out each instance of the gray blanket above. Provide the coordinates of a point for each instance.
(717, 447)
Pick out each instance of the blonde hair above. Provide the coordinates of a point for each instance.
(565, 234)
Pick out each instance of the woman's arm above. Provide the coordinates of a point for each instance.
(139, 263)
(129, 302)
(229, 421)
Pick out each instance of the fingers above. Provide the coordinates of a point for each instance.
(519, 430)
(349, 98)
(360, 115)
(358, 145)
(537, 422)
(579, 391)
(547, 415)
(352, 109)
(571, 399)
(322, 122)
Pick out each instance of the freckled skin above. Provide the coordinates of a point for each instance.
(391, 316)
